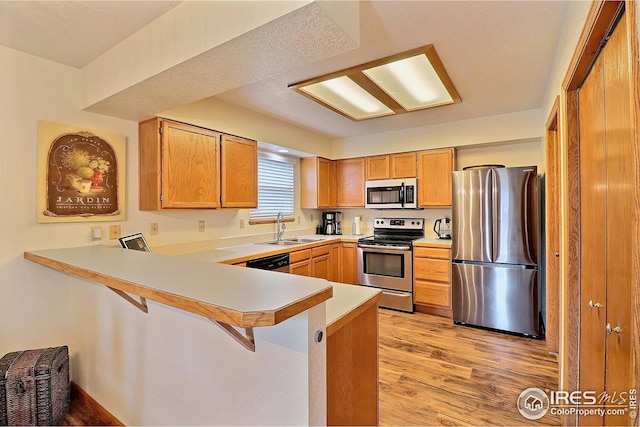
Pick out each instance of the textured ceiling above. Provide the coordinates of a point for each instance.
(304, 36)
(73, 32)
(498, 53)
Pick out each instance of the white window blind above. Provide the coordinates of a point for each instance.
(275, 189)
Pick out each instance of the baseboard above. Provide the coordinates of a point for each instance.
(95, 407)
(436, 311)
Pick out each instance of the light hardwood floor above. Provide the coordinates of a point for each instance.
(433, 372)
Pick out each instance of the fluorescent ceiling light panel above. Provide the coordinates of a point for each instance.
(348, 97)
(412, 82)
(409, 81)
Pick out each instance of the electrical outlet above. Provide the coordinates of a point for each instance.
(201, 225)
(298, 219)
(242, 223)
(114, 232)
(311, 217)
(96, 232)
(154, 229)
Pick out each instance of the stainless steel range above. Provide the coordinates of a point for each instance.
(385, 260)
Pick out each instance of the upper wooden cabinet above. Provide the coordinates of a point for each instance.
(180, 166)
(434, 177)
(378, 167)
(317, 183)
(402, 165)
(239, 165)
(350, 176)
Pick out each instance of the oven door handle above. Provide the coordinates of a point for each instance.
(397, 294)
(385, 248)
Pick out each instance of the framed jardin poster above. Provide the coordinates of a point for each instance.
(80, 174)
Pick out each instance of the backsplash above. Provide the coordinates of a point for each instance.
(429, 215)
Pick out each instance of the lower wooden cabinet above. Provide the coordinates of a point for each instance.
(320, 261)
(352, 371)
(432, 280)
(302, 268)
(349, 263)
(300, 262)
(335, 260)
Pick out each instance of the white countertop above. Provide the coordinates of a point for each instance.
(347, 298)
(433, 241)
(240, 253)
(237, 296)
(234, 295)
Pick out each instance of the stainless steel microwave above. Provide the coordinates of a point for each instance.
(392, 194)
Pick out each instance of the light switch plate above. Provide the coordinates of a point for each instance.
(114, 232)
(201, 225)
(154, 229)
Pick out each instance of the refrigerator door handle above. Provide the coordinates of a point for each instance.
(493, 224)
(525, 227)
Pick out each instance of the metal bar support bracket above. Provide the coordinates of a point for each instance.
(247, 340)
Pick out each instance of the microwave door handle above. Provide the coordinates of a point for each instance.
(402, 195)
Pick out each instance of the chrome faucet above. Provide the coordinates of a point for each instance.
(280, 227)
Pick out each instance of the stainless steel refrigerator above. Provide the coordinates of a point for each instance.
(495, 219)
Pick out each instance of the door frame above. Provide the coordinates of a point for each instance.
(601, 16)
(553, 218)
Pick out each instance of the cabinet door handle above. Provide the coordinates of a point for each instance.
(610, 330)
(557, 254)
(593, 305)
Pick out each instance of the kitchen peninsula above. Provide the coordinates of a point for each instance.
(290, 376)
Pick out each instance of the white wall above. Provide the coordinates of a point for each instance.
(513, 153)
(576, 16)
(512, 127)
(165, 367)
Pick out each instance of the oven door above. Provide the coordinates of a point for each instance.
(383, 267)
(390, 270)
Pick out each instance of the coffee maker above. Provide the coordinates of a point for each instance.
(331, 222)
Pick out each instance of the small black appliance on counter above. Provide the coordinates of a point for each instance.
(331, 223)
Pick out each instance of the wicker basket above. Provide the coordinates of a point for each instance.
(34, 387)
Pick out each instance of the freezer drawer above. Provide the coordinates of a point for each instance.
(497, 297)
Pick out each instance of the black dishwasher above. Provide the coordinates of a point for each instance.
(278, 262)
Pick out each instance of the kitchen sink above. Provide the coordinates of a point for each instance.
(280, 243)
(302, 240)
(292, 241)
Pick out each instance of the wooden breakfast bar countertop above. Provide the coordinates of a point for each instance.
(226, 294)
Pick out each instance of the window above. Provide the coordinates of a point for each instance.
(275, 189)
